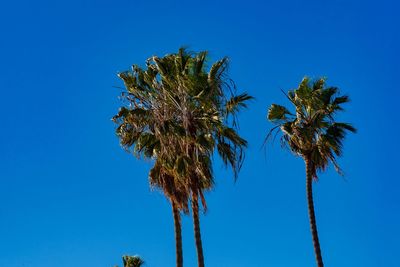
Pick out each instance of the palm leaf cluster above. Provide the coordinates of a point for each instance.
(132, 261)
(311, 130)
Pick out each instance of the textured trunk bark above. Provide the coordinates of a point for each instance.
(197, 234)
(311, 213)
(178, 235)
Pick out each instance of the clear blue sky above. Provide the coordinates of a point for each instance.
(70, 196)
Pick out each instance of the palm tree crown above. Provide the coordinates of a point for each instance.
(177, 113)
(132, 261)
(312, 130)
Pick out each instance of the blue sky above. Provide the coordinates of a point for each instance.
(70, 196)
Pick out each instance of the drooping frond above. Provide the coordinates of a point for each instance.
(236, 102)
(278, 113)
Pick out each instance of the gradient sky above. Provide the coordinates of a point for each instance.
(71, 197)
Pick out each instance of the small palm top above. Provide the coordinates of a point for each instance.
(132, 261)
(311, 130)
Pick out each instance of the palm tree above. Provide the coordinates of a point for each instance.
(144, 129)
(312, 133)
(132, 261)
(178, 113)
(206, 105)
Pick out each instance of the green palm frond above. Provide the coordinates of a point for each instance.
(236, 102)
(278, 113)
(216, 72)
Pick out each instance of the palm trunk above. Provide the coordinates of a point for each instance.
(197, 234)
(178, 235)
(311, 213)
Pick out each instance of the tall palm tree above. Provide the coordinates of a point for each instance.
(312, 133)
(206, 105)
(144, 128)
(179, 113)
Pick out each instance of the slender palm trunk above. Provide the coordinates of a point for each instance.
(178, 235)
(197, 234)
(311, 213)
